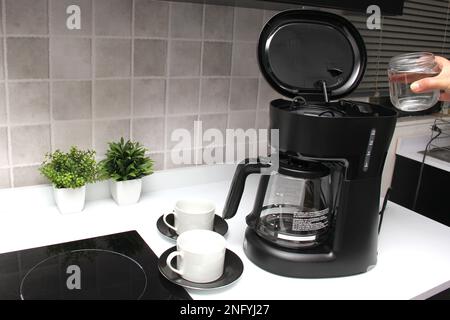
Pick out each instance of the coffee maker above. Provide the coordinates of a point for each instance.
(317, 213)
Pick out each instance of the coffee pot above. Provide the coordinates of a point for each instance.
(293, 205)
(317, 211)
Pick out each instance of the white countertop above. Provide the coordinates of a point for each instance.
(414, 251)
(409, 147)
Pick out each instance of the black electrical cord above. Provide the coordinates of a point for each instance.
(435, 128)
(383, 208)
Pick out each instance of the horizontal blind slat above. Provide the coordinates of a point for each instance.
(433, 3)
(413, 24)
(423, 14)
(424, 8)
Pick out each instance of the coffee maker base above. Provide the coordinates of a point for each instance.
(297, 264)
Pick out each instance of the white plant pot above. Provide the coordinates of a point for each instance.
(70, 200)
(126, 192)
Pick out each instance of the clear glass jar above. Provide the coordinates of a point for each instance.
(405, 69)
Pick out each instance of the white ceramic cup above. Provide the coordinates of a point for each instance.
(200, 256)
(191, 215)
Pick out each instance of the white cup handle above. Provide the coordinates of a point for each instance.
(168, 224)
(169, 261)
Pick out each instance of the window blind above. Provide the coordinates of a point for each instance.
(424, 26)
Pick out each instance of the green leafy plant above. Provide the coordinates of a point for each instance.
(73, 169)
(126, 161)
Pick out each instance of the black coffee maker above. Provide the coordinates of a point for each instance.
(317, 213)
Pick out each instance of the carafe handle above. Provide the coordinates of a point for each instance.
(246, 167)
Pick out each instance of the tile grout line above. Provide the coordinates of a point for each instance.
(166, 103)
(124, 78)
(133, 11)
(231, 68)
(6, 75)
(200, 88)
(93, 146)
(258, 90)
(50, 82)
(31, 164)
(43, 36)
(156, 116)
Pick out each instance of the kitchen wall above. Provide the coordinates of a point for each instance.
(137, 69)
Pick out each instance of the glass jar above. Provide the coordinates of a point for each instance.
(405, 69)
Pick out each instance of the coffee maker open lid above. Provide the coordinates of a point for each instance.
(300, 51)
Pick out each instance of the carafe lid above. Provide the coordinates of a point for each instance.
(294, 167)
(301, 50)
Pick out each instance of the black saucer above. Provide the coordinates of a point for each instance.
(232, 271)
(220, 226)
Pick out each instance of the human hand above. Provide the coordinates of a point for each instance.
(439, 82)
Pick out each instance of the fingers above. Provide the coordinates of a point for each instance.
(440, 82)
(428, 84)
(444, 96)
(442, 62)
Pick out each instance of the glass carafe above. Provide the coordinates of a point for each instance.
(296, 210)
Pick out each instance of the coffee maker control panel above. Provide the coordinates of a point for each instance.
(369, 150)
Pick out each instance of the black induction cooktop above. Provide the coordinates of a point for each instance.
(114, 267)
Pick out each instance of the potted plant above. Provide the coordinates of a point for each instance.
(126, 165)
(69, 173)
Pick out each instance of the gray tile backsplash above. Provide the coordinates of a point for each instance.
(74, 133)
(244, 93)
(215, 94)
(247, 24)
(112, 58)
(149, 97)
(2, 106)
(266, 94)
(136, 69)
(178, 122)
(158, 160)
(29, 143)
(185, 58)
(262, 120)
(3, 147)
(217, 58)
(243, 120)
(186, 20)
(153, 141)
(244, 60)
(151, 18)
(2, 72)
(112, 98)
(4, 178)
(29, 102)
(107, 131)
(27, 176)
(214, 121)
(26, 17)
(27, 58)
(71, 100)
(112, 17)
(70, 58)
(219, 22)
(183, 96)
(150, 58)
(58, 17)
